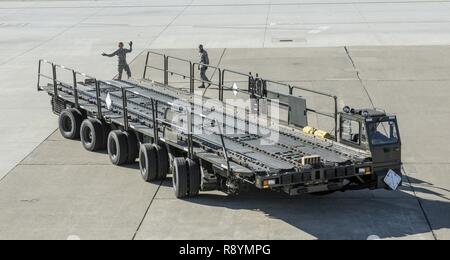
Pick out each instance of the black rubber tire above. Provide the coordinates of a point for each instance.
(70, 123)
(171, 160)
(163, 161)
(92, 136)
(106, 131)
(180, 178)
(133, 147)
(148, 162)
(117, 147)
(194, 177)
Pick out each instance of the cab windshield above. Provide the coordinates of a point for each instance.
(382, 133)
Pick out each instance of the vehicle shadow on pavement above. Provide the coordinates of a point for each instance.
(343, 215)
(425, 187)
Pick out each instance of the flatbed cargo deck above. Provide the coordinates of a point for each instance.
(204, 147)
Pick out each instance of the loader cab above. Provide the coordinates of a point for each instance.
(372, 130)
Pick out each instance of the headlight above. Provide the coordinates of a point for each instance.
(365, 170)
(268, 183)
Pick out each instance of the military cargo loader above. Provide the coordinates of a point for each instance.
(209, 143)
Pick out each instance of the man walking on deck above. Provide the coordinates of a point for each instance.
(121, 53)
(204, 61)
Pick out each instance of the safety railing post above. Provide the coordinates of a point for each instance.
(222, 81)
(191, 78)
(125, 109)
(39, 76)
(224, 115)
(235, 117)
(55, 81)
(155, 120)
(336, 119)
(190, 133)
(220, 85)
(75, 89)
(99, 101)
(166, 70)
(250, 78)
(222, 77)
(146, 64)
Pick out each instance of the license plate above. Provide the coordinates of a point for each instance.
(392, 180)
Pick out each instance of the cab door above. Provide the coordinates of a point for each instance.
(384, 140)
(353, 132)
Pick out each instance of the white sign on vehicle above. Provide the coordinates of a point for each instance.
(108, 102)
(392, 179)
(235, 89)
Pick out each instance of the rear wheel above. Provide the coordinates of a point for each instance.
(133, 147)
(163, 161)
(117, 147)
(194, 177)
(92, 135)
(148, 162)
(180, 178)
(70, 123)
(105, 134)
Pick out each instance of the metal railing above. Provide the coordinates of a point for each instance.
(248, 77)
(222, 86)
(74, 84)
(166, 71)
(163, 70)
(333, 115)
(154, 104)
(52, 77)
(191, 72)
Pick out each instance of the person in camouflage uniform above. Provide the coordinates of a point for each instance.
(204, 61)
(121, 53)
